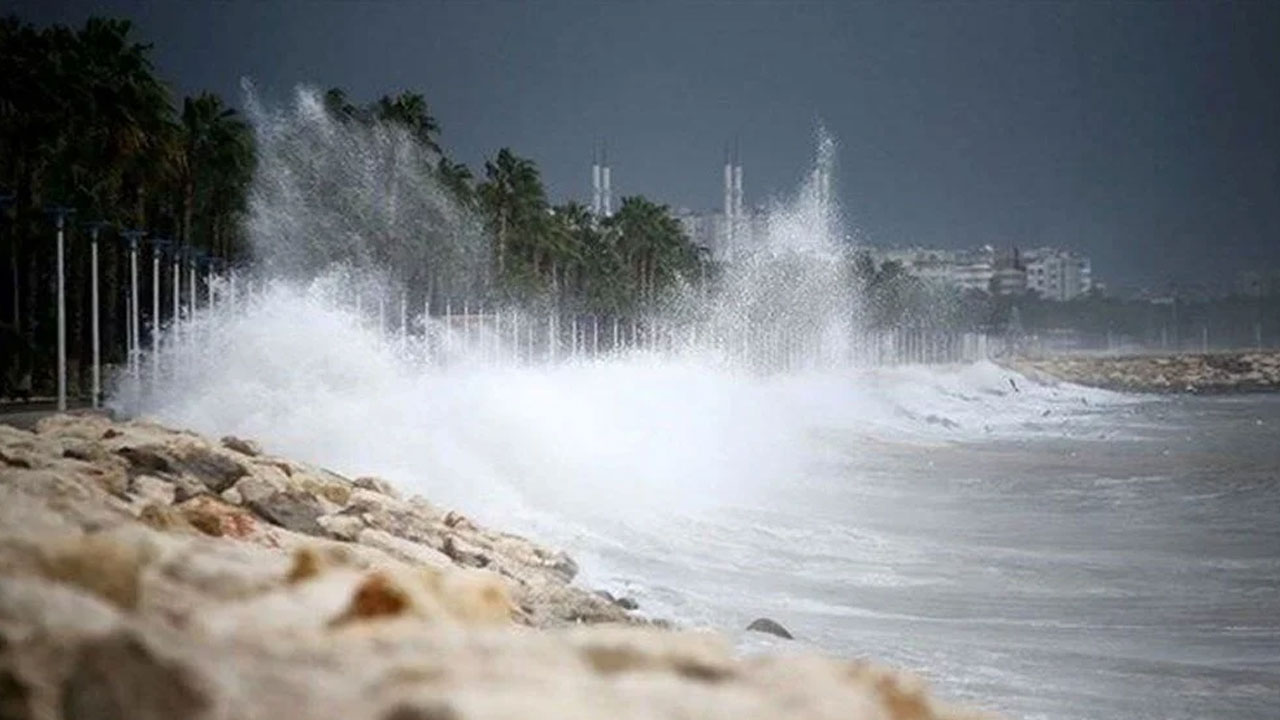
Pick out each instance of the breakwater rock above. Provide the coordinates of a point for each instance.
(153, 573)
(1208, 373)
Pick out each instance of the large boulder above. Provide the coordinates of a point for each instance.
(770, 627)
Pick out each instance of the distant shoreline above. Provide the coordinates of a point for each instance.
(1214, 373)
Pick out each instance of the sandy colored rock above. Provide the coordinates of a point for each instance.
(1211, 373)
(242, 446)
(377, 485)
(330, 598)
(120, 676)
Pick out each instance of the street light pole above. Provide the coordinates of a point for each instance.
(158, 246)
(94, 229)
(135, 351)
(176, 319)
(61, 214)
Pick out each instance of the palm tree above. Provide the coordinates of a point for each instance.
(652, 244)
(213, 166)
(516, 205)
(409, 110)
(456, 178)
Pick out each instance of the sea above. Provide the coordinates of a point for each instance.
(1043, 550)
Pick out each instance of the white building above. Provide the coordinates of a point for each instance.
(1057, 274)
(1052, 273)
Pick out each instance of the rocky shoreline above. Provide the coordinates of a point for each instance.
(1207, 373)
(151, 573)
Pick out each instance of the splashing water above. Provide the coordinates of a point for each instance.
(627, 437)
(301, 366)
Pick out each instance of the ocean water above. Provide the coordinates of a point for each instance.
(1047, 551)
(1044, 550)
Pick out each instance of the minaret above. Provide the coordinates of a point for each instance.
(595, 182)
(606, 182)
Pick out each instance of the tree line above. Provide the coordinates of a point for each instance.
(86, 123)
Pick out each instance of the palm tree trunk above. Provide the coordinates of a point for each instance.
(502, 241)
(188, 208)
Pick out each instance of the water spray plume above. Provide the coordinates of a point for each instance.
(472, 410)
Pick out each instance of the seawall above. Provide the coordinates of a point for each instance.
(1212, 373)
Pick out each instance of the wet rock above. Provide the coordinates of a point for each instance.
(624, 602)
(292, 510)
(217, 471)
(119, 676)
(772, 627)
(185, 488)
(458, 520)
(377, 485)
(242, 446)
(563, 566)
(259, 486)
(152, 459)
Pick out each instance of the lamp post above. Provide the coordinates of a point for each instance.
(158, 247)
(94, 229)
(176, 319)
(60, 215)
(133, 236)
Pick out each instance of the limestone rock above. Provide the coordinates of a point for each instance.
(152, 490)
(217, 470)
(117, 600)
(242, 446)
(120, 676)
(375, 484)
(259, 486)
(106, 564)
(217, 518)
(291, 509)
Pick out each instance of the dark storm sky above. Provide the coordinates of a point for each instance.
(1145, 134)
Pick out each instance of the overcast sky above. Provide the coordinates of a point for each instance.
(1145, 134)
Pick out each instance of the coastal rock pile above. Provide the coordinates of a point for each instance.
(1211, 373)
(151, 573)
